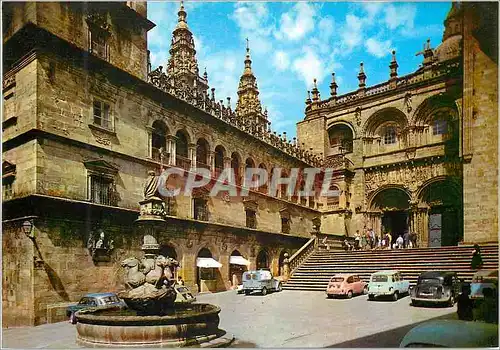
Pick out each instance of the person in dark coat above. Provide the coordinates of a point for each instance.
(477, 259)
(465, 305)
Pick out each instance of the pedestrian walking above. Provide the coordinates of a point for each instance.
(357, 240)
(406, 239)
(389, 239)
(477, 259)
(399, 242)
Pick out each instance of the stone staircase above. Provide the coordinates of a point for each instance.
(320, 265)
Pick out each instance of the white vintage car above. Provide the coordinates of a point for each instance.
(387, 283)
(261, 281)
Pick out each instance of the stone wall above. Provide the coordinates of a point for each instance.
(480, 181)
(127, 47)
(17, 276)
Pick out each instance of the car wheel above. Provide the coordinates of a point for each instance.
(371, 297)
(349, 294)
(247, 292)
(264, 291)
(451, 302)
(395, 296)
(415, 303)
(280, 287)
(72, 318)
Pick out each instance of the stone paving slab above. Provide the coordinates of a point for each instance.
(288, 319)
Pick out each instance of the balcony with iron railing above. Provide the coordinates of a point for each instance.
(182, 162)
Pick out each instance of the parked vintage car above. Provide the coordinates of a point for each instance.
(260, 280)
(481, 280)
(451, 334)
(436, 287)
(184, 295)
(387, 283)
(94, 300)
(345, 285)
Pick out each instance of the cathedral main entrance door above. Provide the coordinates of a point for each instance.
(396, 222)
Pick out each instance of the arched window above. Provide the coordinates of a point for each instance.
(202, 159)
(390, 135)
(439, 126)
(219, 159)
(333, 201)
(340, 136)
(158, 139)
(181, 150)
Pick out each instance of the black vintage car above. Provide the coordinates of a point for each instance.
(436, 287)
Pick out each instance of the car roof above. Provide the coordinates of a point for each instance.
(345, 275)
(486, 273)
(99, 295)
(386, 272)
(453, 333)
(431, 274)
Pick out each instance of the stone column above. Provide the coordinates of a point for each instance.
(150, 141)
(171, 149)
(211, 161)
(192, 154)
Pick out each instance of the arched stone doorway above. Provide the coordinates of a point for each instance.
(440, 201)
(393, 206)
(237, 265)
(262, 260)
(206, 271)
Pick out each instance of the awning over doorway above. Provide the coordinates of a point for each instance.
(238, 260)
(207, 262)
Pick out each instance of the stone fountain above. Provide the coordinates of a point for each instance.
(152, 318)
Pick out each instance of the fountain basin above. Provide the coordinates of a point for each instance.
(184, 325)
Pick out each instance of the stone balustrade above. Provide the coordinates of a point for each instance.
(203, 101)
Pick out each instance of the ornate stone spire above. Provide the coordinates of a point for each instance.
(182, 68)
(393, 66)
(361, 76)
(248, 106)
(453, 21)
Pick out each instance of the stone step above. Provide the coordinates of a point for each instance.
(316, 271)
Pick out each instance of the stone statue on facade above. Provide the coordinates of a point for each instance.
(149, 281)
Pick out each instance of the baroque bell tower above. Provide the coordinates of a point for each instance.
(182, 67)
(248, 107)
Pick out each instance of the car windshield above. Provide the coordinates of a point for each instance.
(87, 301)
(379, 278)
(182, 289)
(337, 279)
(429, 280)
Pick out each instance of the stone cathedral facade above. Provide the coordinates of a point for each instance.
(86, 118)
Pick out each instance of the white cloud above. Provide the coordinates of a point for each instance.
(352, 34)
(281, 60)
(378, 48)
(372, 8)
(326, 28)
(400, 16)
(252, 18)
(298, 22)
(309, 67)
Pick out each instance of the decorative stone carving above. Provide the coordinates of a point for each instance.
(149, 281)
(316, 224)
(408, 102)
(357, 116)
(100, 249)
(408, 175)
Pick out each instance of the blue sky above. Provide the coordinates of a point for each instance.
(292, 43)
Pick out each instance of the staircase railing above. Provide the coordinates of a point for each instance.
(302, 254)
